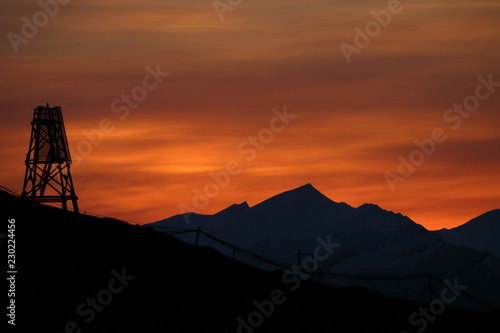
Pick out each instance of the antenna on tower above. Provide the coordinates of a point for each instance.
(48, 176)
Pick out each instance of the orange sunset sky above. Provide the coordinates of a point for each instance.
(353, 120)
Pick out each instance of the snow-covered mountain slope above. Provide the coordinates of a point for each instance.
(372, 242)
(481, 233)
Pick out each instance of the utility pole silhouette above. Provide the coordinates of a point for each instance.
(48, 176)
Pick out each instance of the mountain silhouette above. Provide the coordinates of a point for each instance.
(374, 243)
(481, 233)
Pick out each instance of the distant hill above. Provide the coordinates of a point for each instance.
(481, 233)
(373, 244)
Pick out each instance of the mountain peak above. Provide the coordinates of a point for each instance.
(233, 209)
(369, 207)
(308, 185)
(298, 198)
(304, 190)
(303, 193)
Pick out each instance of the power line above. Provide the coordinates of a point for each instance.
(429, 276)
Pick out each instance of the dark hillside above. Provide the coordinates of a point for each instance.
(151, 282)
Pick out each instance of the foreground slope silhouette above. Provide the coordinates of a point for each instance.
(65, 260)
